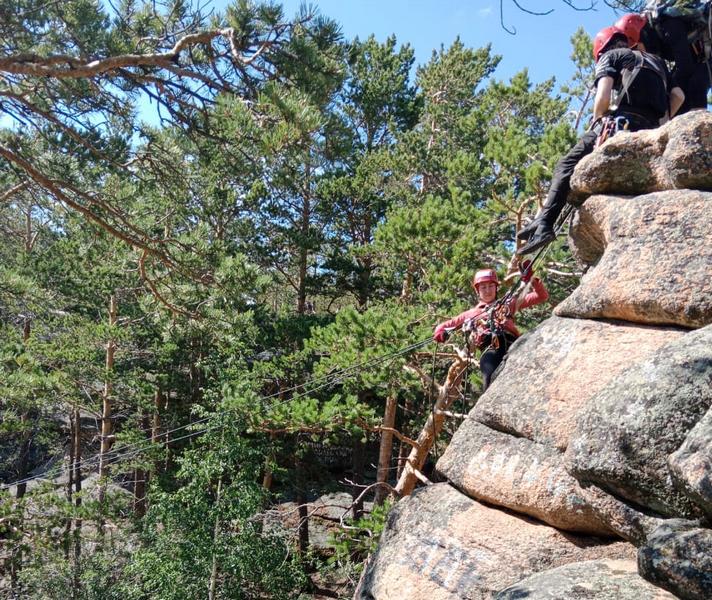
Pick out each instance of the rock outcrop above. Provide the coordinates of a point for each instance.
(591, 580)
(623, 440)
(691, 465)
(599, 426)
(678, 557)
(665, 236)
(441, 545)
(519, 474)
(550, 376)
(675, 156)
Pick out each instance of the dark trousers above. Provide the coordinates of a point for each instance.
(492, 357)
(561, 179)
(691, 72)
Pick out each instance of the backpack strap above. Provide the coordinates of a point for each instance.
(642, 61)
(627, 78)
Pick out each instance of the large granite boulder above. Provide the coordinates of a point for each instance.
(625, 435)
(666, 236)
(555, 370)
(675, 156)
(691, 465)
(619, 393)
(590, 580)
(519, 474)
(629, 522)
(678, 557)
(439, 544)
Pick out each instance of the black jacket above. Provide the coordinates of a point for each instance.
(647, 94)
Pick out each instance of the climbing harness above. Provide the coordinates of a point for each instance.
(611, 125)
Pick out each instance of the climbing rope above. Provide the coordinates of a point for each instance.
(129, 450)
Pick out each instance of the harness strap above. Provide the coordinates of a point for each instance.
(628, 77)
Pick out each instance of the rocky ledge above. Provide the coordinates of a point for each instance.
(593, 447)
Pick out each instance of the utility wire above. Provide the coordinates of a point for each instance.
(121, 453)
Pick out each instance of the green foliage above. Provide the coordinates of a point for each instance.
(272, 243)
(359, 539)
(578, 89)
(210, 527)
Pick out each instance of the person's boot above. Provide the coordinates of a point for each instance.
(526, 232)
(544, 234)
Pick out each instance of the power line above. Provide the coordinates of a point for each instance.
(117, 454)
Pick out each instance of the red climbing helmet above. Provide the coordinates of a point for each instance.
(631, 24)
(483, 276)
(603, 38)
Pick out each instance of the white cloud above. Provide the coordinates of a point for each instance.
(485, 12)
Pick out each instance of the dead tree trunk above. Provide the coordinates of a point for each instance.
(106, 416)
(358, 466)
(301, 498)
(212, 585)
(384, 454)
(446, 394)
(141, 477)
(403, 447)
(268, 476)
(77, 477)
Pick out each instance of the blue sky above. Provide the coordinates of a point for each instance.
(541, 43)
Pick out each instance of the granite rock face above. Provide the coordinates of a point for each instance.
(518, 474)
(439, 544)
(617, 387)
(675, 156)
(623, 439)
(590, 580)
(691, 465)
(550, 376)
(666, 236)
(678, 557)
(627, 521)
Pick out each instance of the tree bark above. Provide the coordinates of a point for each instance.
(447, 393)
(303, 249)
(384, 455)
(358, 464)
(212, 585)
(70, 485)
(301, 498)
(106, 416)
(403, 447)
(141, 478)
(77, 476)
(268, 475)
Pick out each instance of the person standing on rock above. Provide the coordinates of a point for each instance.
(644, 96)
(681, 35)
(493, 326)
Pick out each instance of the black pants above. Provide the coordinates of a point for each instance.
(691, 72)
(560, 181)
(492, 357)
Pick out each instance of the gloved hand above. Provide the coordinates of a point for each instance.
(441, 334)
(525, 269)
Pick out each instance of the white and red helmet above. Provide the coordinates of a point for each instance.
(631, 24)
(483, 276)
(604, 37)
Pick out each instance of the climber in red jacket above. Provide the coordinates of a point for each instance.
(494, 330)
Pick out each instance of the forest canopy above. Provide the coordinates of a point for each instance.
(200, 309)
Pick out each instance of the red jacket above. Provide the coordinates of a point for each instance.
(536, 296)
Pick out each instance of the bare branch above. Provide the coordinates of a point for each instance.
(7, 194)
